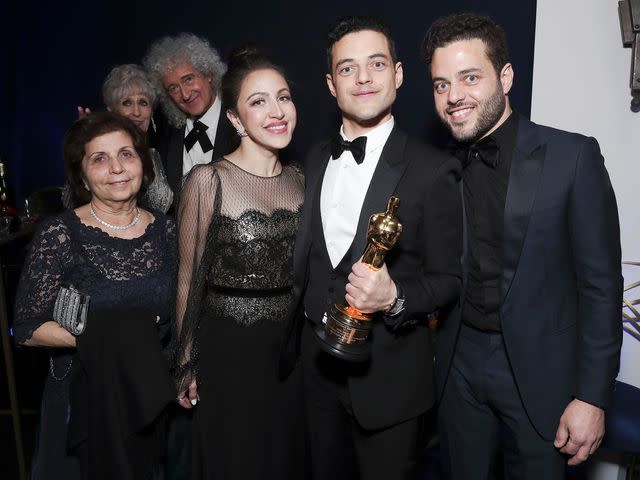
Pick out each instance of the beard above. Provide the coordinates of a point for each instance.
(489, 111)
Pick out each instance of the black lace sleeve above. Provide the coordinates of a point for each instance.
(41, 277)
(199, 201)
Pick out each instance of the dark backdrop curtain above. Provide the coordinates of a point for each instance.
(54, 56)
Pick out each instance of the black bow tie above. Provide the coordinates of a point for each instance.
(198, 134)
(486, 149)
(356, 147)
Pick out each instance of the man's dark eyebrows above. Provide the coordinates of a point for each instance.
(344, 60)
(370, 57)
(467, 71)
(378, 55)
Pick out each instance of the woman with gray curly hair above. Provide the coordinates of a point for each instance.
(128, 91)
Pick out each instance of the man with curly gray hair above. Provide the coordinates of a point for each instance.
(187, 72)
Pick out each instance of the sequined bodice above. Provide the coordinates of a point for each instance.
(255, 251)
(251, 268)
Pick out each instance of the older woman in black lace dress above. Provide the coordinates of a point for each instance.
(237, 223)
(122, 257)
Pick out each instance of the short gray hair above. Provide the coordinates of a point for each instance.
(167, 52)
(127, 78)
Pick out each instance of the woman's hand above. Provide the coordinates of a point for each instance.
(189, 397)
(83, 111)
(50, 334)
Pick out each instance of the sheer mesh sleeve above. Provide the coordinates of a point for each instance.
(199, 201)
(165, 322)
(41, 278)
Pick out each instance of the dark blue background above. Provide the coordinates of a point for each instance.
(55, 55)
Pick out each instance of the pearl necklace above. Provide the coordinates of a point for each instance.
(135, 221)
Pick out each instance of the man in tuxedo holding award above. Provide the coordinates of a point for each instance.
(366, 417)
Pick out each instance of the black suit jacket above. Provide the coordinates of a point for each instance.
(561, 283)
(397, 383)
(226, 141)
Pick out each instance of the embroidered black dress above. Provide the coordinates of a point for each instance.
(116, 273)
(236, 235)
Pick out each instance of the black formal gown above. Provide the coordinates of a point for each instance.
(236, 237)
(116, 273)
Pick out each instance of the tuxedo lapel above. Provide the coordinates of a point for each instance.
(386, 176)
(524, 177)
(314, 171)
(313, 178)
(174, 160)
(464, 260)
(226, 138)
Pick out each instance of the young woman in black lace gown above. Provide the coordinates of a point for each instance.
(237, 222)
(108, 248)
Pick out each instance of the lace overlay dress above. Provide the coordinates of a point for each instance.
(115, 272)
(236, 237)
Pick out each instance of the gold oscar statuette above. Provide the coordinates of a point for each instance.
(346, 331)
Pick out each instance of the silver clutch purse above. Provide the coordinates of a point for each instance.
(70, 310)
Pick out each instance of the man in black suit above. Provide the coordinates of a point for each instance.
(528, 362)
(187, 72)
(366, 418)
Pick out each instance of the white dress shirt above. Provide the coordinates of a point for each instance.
(196, 156)
(344, 187)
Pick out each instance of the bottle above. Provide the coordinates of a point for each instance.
(7, 201)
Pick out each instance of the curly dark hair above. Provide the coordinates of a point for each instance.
(91, 126)
(467, 26)
(351, 24)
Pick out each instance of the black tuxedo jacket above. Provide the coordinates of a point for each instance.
(397, 383)
(561, 283)
(226, 141)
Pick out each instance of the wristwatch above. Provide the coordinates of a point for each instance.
(398, 306)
